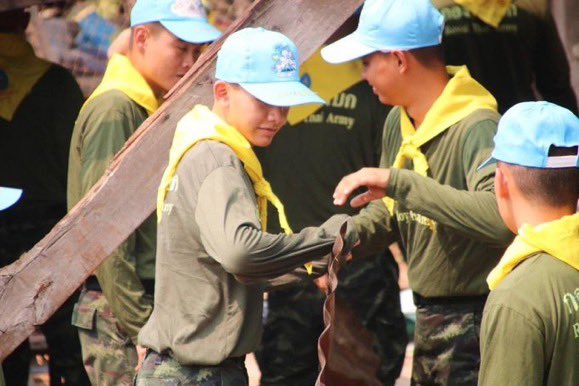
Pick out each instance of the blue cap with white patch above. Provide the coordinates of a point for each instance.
(265, 64)
(186, 19)
(528, 130)
(389, 25)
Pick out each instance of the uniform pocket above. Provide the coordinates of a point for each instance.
(83, 316)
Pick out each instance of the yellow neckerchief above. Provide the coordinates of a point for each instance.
(559, 238)
(327, 81)
(462, 96)
(491, 12)
(202, 124)
(23, 69)
(121, 75)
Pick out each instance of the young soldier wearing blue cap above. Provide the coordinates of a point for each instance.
(305, 161)
(166, 39)
(212, 210)
(438, 204)
(530, 327)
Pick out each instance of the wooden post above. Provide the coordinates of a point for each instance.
(35, 286)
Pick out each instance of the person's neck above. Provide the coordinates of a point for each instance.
(137, 60)
(426, 88)
(534, 214)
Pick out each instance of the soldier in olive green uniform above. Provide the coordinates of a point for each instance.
(39, 102)
(166, 39)
(304, 164)
(444, 210)
(530, 327)
(214, 254)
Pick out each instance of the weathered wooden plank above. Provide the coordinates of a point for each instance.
(36, 285)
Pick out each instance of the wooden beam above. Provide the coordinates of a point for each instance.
(35, 286)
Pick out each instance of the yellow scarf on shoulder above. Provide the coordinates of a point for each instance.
(461, 97)
(326, 80)
(559, 238)
(22, 70)
(121, 75)
(201, 124)
(491, 12)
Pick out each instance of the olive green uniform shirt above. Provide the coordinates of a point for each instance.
(530, 326)
(102, 128)
(210, 238)
(448, 223)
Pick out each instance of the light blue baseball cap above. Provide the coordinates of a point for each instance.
(9, 196)
(389, 25)
(265, 64)
(186, 19)
(528, 130)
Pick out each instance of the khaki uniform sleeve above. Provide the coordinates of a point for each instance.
(231, 233)
(117, 276)
(474, 212)
(511, 349)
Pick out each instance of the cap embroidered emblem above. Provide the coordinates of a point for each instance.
(189, 8)
(284, 61)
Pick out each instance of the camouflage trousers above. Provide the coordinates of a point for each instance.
(163, 370)
(108, 354)
(447, 344)
(288, 354)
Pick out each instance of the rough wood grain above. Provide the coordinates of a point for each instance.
(36, 285)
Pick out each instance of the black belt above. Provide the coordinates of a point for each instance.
(449, 300)
(92, 284)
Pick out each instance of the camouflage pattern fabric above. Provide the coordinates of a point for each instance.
(162, 370)
(288, 354)
(447, 344)
(109, 355)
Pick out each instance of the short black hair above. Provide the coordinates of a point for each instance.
(555, 187)
(428, 56)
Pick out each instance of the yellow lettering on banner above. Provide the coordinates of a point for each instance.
(417, 218)
(346, 101)
(341, 120)
(576, 330)
(315, 118)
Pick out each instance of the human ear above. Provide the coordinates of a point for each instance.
(140, 35)
(401, 59)
(221, 93)
(501, 184)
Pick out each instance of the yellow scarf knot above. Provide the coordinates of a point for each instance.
(559, 238)
(461, 97)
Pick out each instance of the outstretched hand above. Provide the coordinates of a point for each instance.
(375, 179)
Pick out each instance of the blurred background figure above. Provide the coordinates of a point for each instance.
(511, 47)
(39, 102)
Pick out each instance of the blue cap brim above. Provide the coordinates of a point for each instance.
(283, 94)
(192, 31)
(488, 162)
(346, 49)
(9, 196)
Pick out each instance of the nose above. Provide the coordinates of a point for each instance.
(278, 114)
